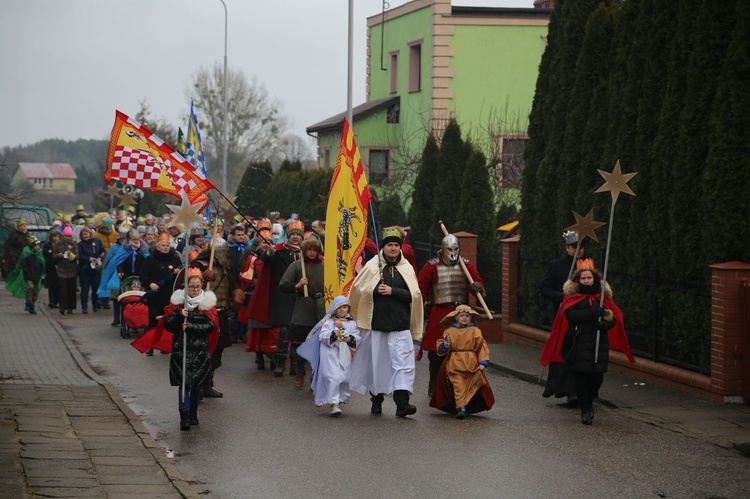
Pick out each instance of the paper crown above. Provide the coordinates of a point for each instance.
(239, 218)
(194, 272)
(20, 222)
(391, 235)
(296, 226)
(163, 238)
(263, 225)
(570, 236)
(106, 223)
(79, 207)
(32, 240)
(585, 264)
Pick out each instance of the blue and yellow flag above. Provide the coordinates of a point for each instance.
(194, 149)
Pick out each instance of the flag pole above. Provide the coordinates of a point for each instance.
(184, 332)
(375, 233)
(350, 65)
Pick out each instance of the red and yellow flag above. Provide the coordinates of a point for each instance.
(346, 217)
(140, 158)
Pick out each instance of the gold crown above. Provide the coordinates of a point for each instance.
(163, 238)
(392, 232)
(296, 226)
(585, 264)
(263, 224)
(193, 272)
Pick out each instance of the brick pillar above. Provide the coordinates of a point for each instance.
(510, 283)
(728, 330)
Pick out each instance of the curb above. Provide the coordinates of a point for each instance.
(174, 476)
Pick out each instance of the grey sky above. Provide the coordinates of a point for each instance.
(67, 65)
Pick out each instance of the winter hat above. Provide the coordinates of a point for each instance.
(67, 231)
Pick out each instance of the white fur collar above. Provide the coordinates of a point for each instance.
(178, 298)
(571, 288)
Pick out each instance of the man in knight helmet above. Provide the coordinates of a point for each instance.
(443, 281)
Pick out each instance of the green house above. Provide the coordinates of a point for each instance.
(429, 60)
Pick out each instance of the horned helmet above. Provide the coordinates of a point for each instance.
(450, 250)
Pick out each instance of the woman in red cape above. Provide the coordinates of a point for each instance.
(261, 337)
(574, 332)
(189, 329)
(160, 339)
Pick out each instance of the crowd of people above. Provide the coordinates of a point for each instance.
(261, 283)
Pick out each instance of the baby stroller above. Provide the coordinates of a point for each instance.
(133, 311)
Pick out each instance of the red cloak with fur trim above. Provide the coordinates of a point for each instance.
(618, 339)
(159, 338)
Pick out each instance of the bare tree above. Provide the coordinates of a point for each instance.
(256, 123)
(293, 147)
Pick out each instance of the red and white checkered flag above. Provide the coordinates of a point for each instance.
(139, 158)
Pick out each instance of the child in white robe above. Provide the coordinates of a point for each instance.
(329, 348)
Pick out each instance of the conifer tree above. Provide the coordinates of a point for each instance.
(727, 174)
(716, 20)
(450, 170)
(664, 148)
(392, 211)
(476, 215)
(251, 191)
(423, 198)
(591, 75)
(290, 166)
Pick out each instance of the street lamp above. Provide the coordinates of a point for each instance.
(225, 144)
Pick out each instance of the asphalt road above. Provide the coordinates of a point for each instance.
(266, 439)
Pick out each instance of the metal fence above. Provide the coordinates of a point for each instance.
(667, 321)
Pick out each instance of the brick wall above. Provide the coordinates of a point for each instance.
(729, 330)
(730, 334)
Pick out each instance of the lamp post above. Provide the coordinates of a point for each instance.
(225, 144)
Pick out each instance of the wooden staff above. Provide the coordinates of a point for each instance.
(213, 249)
(468, 276)
(304, 273)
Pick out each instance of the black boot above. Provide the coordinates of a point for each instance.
(27, 307)
(194, 417)
(280, 365)
(260, 361)
(403, 407)
(377, 403)
(31, 309)
(184, 421)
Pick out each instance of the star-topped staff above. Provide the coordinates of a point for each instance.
(113, 192)
(584, 226)
(616, 182)
(126, 199)
(186, 213)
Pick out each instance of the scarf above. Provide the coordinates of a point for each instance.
(191, 303)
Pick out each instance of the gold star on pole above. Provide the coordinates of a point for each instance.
(186, 213)
(126, 199)
(586, 226)
(616, 182)
(113, 190)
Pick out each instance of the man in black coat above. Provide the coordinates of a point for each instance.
(560, 382)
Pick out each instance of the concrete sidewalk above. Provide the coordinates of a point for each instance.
(725, 425)
(65, 432)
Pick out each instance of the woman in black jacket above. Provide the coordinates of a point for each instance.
(157, 276)
(191, 319)
(50, 272)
